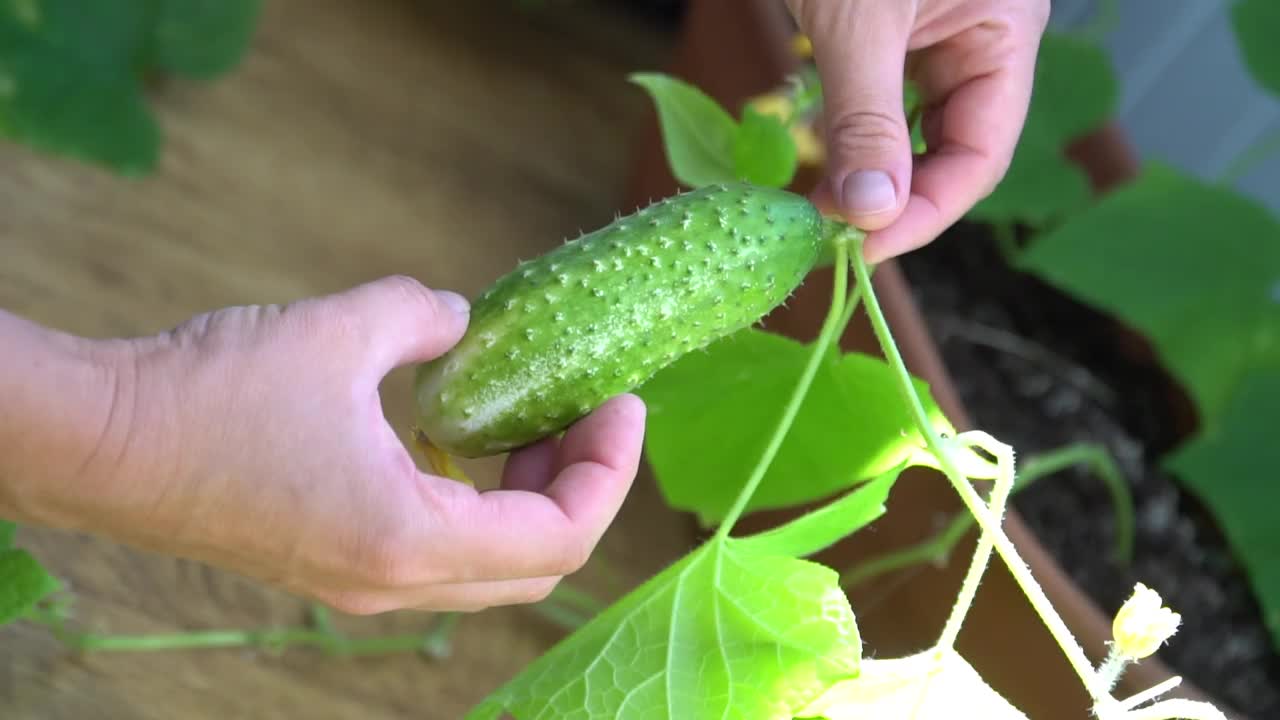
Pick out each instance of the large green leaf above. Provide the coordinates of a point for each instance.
(72, 73)
(726, 632)
(22, 583)
(202, 39)
(1193, 266)
(920, 687)
(697, 133)
(1232, 466)
(819, 529)
(711, 414)
(1257, 23)
(1075, 91)
(1039, 187)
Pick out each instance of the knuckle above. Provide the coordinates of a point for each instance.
(860, 131)
(574, 558)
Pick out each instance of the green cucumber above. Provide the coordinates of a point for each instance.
(598, 316)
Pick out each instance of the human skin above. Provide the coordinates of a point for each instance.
(974, 62)
(253, 439)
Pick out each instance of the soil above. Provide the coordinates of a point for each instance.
(1040, 370)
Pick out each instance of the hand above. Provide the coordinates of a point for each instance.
(974, 62)
(253, 439)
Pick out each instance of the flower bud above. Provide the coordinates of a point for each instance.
(1143, 624)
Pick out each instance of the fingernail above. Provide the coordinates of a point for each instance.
(867, 192)
(456, 302)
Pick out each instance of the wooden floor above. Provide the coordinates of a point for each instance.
(442, 140)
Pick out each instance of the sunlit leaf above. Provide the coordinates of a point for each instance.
(22, 583)
(1232, 467)
(921, 687)
(712, 413)
(1256, 24)
(763, 151)
(819, 529)
(697, 133)
(726, 632)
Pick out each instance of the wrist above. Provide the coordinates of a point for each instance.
(68, 405)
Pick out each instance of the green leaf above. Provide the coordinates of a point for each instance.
(919, 686)
(1075, 88)
(711, 412)
(7, 531)
(202, 39)
(763, 151)
(1232, 467)
(1039, 187)
(697, 133)
(1256, 24)
(72, 73)
(726, 632)
(1193, 266)
(819, 529)
(22, 583)
(1075, 92)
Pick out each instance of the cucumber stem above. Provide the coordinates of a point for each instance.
(831, 328)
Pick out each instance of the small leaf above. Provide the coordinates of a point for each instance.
(819, 529)
(1256, 24)
(202, 39)
(697, 133)
(22, 583)
(724, 632)
(1231, 466)
(921, 687)
(1040, 186)
(763, 150)
(1193, 266)
(1075, 91)
(711, 413)
(7, 531)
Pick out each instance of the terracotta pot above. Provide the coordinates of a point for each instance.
(733, 50)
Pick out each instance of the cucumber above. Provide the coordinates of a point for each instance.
(598, 316)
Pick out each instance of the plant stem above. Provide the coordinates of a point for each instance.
(1017, 567)
(982, 554)
(323, 636)
(936, 548)
(1104, 466)
(830, 330)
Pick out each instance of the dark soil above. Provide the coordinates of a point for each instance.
(1039, 370)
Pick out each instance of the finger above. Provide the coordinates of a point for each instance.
(531, 468)
(402, 321)
(977, 124)
(460, 597)
(860, 50)
(507, 534)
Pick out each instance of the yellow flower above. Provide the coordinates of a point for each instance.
(1143, 624)
(809, 147)
(802, 46)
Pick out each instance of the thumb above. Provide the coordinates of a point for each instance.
(401, 320)
(860, 50)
